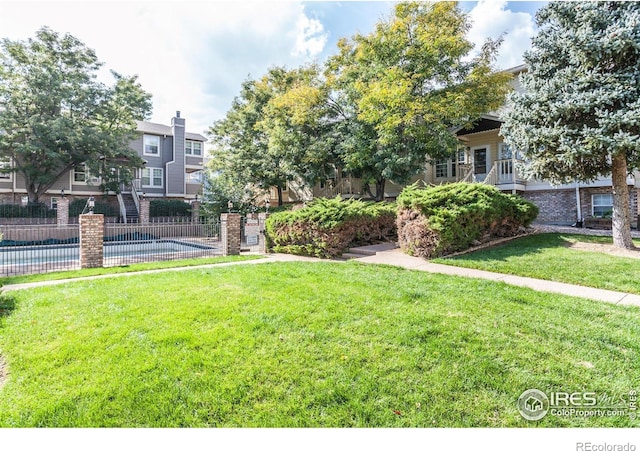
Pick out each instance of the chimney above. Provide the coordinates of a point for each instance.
(177, 113)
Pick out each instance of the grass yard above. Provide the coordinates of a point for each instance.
(548, 256)
(134, 267)
(305, 345)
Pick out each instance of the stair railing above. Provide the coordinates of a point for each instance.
(123, 208)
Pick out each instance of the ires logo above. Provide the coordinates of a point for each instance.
(535, 404)
(577, 399)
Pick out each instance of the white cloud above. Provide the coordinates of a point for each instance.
(310, 37)
(491, 18)
(192, 56)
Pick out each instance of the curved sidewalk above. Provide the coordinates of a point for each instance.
(396, 257)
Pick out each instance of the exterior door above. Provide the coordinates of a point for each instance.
(480, 163)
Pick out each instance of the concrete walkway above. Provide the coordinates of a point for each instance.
(387, 254)
(396, 257)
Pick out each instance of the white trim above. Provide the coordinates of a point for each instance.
(593, 204)
(489, 162)
(89, 180)
(151, 178)
(144, 147)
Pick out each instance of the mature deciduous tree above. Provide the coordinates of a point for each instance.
(55, 115)
(274, 131)
(407, 84)
(579, 115)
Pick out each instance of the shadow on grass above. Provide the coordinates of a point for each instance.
(7, 305)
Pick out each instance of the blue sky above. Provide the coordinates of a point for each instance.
(192, 56)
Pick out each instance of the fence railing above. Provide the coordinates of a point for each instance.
(34, 249)
(132, 243)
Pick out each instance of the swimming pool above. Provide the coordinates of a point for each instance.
(26, 259)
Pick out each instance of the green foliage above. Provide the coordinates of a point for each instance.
(27, 211)
(327, 227)
(581, 97)
(448, 218)
(577, 118)
(273, 133)
(168, 208)
(222, 187)
(101, 208)
(55, 115)
(406, 84)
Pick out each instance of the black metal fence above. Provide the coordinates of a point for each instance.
(134, 243)
(30, 249)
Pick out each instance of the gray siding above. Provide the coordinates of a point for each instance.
(175, 169)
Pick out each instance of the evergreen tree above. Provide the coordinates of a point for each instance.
(579, 115)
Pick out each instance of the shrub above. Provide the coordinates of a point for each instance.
(327, 227)
(100, 208)
(27, 211)
(163, 207)
(448, 218)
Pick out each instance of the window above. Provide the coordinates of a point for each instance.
(81, 175)
(446, 168)
(602, 205)
(152, 177)
(194, 177)
(505, 152)
(442, 168)
(54, 203)
(151, 145)
(5, 165)
(193, 148)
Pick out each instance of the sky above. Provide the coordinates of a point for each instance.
(193, 56)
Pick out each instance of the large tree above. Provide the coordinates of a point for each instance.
(578, 117)
(407, 84)
(55, 115)
(272, 133)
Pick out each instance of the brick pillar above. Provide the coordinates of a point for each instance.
(144, 211)
(195, 211)
(230, 233)
(262, 243)
(62, 213)
(91, 241)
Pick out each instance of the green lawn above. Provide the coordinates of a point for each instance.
(134, 267)
(305, 345)
(547, 256)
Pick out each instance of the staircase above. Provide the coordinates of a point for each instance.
(130, 208)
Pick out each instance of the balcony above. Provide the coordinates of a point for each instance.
(504, 175)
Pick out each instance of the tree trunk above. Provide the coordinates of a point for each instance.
(380, 189)
(620, 221)
(279, 196)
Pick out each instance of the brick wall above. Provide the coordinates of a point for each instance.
(91, 241)
(586, 193)
(230, 233)
(557, 206)
(144, 211)
(62, 214)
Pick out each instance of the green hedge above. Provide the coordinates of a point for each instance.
(28, 211)
(100, 208)
(449, 218)
(163, 208)
(328, 227)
